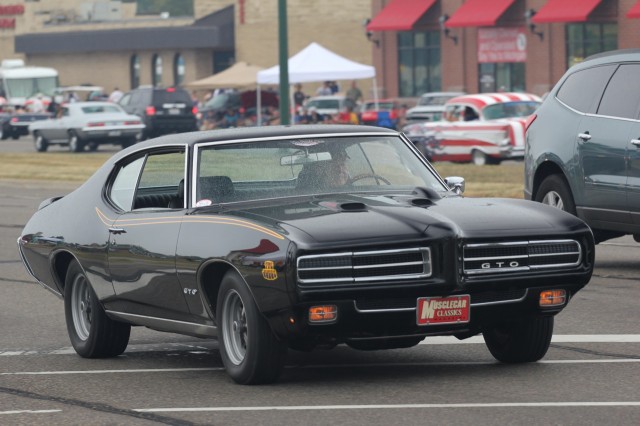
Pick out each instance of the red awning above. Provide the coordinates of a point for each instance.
(400, 15)
(479, 13)
(565, 11)
(634, 12)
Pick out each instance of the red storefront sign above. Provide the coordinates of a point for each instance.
(15, 9)
(8, 23)
(505, 44)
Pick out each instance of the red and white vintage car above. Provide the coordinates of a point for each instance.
(483, 128)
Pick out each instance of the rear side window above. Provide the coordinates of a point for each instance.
(622, 95)
(581, 88)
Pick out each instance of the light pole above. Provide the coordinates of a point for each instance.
(283, 47)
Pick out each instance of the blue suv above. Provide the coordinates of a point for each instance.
(582, 150)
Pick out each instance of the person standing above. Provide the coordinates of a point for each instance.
(115, 95)
(324, 90)
(354, 94)
(298, 96)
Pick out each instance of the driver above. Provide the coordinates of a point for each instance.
(337, 172)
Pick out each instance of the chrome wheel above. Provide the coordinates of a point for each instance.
(234, 327)
(553, 199)
(478, 158)
(81, 307)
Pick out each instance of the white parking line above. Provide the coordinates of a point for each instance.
(396, 406)
(557, 338)
(433, 340)
(30, 412)
(350, 366)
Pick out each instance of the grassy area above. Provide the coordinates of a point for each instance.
(505, 180)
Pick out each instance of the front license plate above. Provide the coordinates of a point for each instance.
(115, 133)
(444, 310)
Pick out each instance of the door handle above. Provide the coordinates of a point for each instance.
(635, 142)
(584, 136)
(117, 231)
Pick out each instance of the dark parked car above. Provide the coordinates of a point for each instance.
(16, 124)
(583, 145)
(296, 237)
(162, 111)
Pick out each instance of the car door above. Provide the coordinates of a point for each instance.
(143, 237)
(633, 173)
(56, 130)
(603, 144)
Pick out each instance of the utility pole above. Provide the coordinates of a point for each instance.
(283, 47)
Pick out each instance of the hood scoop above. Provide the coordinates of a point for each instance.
(347, 206)
(421, 202)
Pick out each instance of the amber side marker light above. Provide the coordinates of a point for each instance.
(550, 298)
(325, 313)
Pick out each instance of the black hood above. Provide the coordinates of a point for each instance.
(367, 218)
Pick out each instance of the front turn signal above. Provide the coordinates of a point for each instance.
(325, 313)
(551, 298)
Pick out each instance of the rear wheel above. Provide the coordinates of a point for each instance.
(478, 157)
(554, 191)
(250, 351)
(520, 340)
(92, 333)
(40, 142)
(75, 143)
(92, 146)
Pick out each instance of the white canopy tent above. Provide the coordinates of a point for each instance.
(316, 63)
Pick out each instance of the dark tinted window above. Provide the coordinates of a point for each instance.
(622, 95)
(581, 88)
(171, 96)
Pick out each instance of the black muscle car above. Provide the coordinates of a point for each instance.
(300, 237)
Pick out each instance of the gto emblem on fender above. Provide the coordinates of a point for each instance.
(190, 291)
(489, 265)
(269, 272)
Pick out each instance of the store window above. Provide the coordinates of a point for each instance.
(419, 63)
(586, 39)
(156, 70)
(134, 71)
(178, 70)
(222, 60)
(502, 54)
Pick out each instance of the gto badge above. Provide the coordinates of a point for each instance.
(268, 272)
(511, 264)
(190, 291)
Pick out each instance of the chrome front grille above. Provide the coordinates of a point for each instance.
(519, 256)
(364, 266)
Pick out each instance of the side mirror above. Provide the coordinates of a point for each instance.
(455, 183)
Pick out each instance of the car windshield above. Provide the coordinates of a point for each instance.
(510, 109)
(300, 167)
(324, 104)
(382, 106)
(434, 100)
(97, 109)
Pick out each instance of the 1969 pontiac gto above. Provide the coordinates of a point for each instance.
(300, 237)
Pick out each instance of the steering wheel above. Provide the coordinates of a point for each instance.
(370, 176)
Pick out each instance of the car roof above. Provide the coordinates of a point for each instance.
(223, 135)
(620, 55)
(481, 100)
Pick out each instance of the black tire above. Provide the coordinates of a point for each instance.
(40, 142)
(15, 136)
(524, 339)
(75, 143)
(378, 344)
(92, 333)
(92, 146)
(554, 191)
(250, 351)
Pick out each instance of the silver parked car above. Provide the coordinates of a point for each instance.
(83, 125)
(430, 106)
